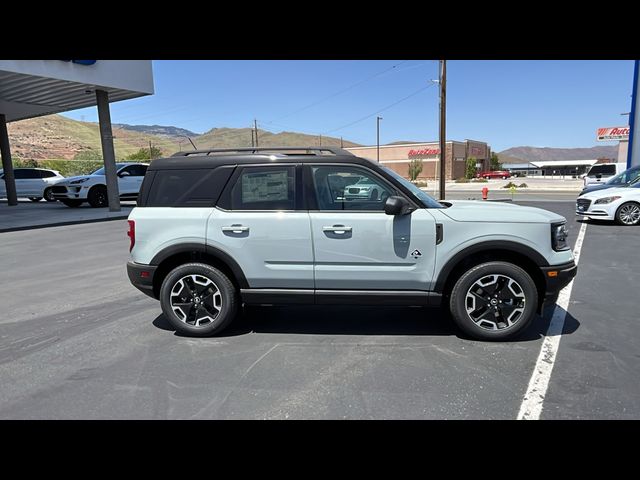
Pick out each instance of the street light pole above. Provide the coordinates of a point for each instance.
(443, 111)
(378, 137)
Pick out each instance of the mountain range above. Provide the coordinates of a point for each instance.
(59, 137)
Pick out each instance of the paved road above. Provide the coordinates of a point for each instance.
(77, 341)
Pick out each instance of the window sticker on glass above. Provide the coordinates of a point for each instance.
(260, 187)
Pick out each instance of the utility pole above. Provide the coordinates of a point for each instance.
(320, 139)
(255, 127)
(150, 151)
(443, 119)
(341, 145)
(378, 137)
(252, 142)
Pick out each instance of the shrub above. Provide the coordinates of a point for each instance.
(462, 180)
(510, 184)
(523, 185)
(480, 180)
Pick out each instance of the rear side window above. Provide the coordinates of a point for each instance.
(187, 188)
(264, 188)
(46, 174)
(609, 169)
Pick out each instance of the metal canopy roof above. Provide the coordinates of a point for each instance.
(31, 88)
(563, 163)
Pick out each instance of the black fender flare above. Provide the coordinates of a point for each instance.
(208, 250)
(490, 245)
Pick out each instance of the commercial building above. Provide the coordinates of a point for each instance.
(398, 157)
(31, 88)
(551, 168)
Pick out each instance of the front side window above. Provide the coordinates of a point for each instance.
(349, 188)
(264, 188)
(135, 170)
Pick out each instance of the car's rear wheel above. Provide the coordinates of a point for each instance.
(198, 300)
(494, 301)
(98, 196)
(72, 203)
(35, 199)
(48, 195)
(628, 214)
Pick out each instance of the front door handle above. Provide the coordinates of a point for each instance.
(337, 229)
(235, 229)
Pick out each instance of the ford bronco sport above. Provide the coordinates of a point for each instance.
(217, 228)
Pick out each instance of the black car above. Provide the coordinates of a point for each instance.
(621, 180)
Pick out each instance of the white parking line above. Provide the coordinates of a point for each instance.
(533, 401)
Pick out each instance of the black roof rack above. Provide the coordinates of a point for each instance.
(266, 150)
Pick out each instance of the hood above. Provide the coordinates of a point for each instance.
(609, 192)
(497, 212)
(78, 177)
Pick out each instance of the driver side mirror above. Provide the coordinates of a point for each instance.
(396, 205)
(124, 174)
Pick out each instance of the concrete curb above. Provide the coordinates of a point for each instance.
(63, 224)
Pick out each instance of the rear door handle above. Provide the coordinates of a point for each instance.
(235, 229)
(337, 229)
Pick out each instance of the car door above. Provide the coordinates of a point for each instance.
(260, 223)
(129, 183)
(356, 245)
(27, 182)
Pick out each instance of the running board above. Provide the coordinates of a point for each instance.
(279, 296)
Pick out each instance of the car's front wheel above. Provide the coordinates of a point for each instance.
(494, 301)
(628, 214)
(98, 196)
(198, 300)
(48, 195)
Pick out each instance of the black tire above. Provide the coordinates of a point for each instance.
(48, 195)
(98, 196)
(228, 300)
(521, 319)
(72, 203)
(628, 214)
(35, 199)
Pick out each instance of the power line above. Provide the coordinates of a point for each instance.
(382, 109)
(313, 104)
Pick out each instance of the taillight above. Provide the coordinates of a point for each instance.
(131, 234)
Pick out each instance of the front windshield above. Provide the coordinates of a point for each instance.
(100, 171)
(419, 194)
(625, 177)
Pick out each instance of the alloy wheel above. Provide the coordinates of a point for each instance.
(629, 214)
(196, 300)
(495, 302)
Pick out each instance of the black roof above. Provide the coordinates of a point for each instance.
(234, 156)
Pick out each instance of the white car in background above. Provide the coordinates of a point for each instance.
(601, 172)
(619, 204)
(33, 183)
(92, 188)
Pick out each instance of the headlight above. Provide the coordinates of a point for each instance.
(82, 180)
(601, 201)
(559, 236)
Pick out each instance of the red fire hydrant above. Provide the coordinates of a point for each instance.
(485, 193)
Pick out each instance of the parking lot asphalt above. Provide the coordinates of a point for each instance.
(78, 341)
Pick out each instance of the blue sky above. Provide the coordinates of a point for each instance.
(506, 103)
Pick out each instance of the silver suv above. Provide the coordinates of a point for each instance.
(217, 228)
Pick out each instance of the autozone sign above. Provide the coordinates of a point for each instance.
(424, 152)
(612, 133)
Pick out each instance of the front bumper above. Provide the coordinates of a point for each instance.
(588, 208)
(69, 192)
(141, 277)
(557, 277)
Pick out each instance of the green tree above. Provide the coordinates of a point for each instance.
(494, 162)
(89, 155)
(145, 154)
(471, 167)
(26, 163)
(415, 169)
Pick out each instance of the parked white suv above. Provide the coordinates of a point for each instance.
(33, 183)
(216, 228)
(601, 172)
(92, 188)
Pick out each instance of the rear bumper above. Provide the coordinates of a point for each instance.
(141, 277)
(557, 277)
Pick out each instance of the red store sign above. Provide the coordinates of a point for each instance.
(424, 152)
